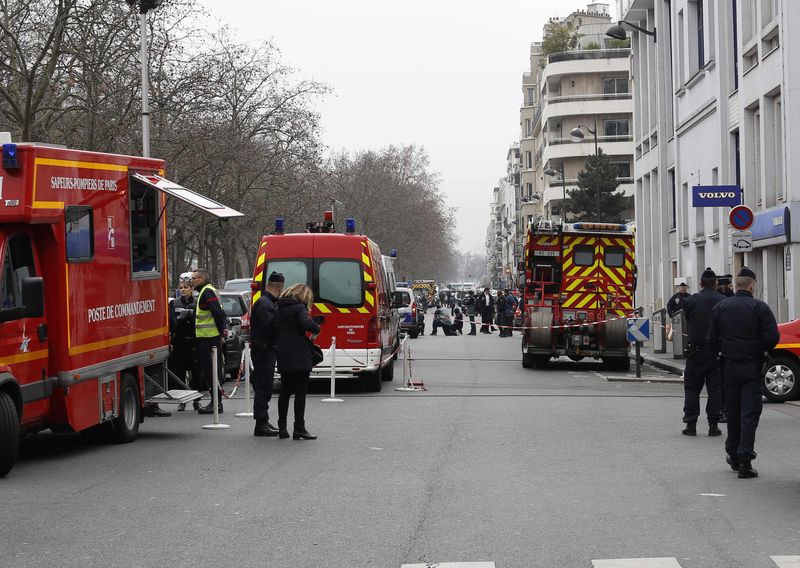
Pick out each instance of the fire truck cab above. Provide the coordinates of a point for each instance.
(352, 296)
(578, 292)
(83, 291)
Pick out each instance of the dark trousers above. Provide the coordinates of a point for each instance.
(486, 320)
(448, 329)
(181, 360)
(472, 325)
(702, 368)
(205, 364)
(263, 377)
(743, 403)
(293, 383)
(458, 326)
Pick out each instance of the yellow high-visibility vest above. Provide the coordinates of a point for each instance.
(204, 324)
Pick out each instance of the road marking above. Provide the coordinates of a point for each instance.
(786, 561)
(451, 565)
(712, 495)
(637, 563)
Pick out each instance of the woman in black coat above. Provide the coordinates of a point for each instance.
(294, 357)
(182, 340)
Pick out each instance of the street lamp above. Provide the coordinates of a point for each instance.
(553, 173)
(618, 32)
(144, 7)
(576, 135)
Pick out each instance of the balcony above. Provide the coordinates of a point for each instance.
(562, 150)
(588, 54)
(591, 104)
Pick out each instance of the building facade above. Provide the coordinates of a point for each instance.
(503, 235)
(586, 88)
(713, 106)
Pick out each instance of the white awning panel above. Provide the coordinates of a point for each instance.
(187, 196)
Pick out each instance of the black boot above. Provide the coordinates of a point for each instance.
(691, 429)
(283, 433)
(746, 470)
(724, 418)
(210, 408)
(733, 462)
(713, 429)
(262, 429)
(300, 433)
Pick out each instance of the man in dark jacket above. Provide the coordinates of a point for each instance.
(702, 364)
(511, 304)
(469, 307)
(210, 327)
(675, 303)
(442, 320)
(485, 307)
(743, 329)
(264, 336)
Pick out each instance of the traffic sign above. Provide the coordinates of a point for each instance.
(741, 217)
(638, 329)
(741, 241)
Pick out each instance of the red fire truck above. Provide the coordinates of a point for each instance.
(579, 281)
(83, 286)
(352, 294)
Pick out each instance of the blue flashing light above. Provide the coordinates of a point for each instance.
(279, 224)
(393, 253)
(10, 161)
(350, 225)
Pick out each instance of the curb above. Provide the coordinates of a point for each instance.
(644, 379)
(673, 368)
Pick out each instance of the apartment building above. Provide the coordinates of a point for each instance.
(713, 107)
(586, 88)
(504, 236)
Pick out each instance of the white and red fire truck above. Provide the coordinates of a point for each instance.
(579, 283)
(83, 290)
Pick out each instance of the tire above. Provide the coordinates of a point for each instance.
(541, 361)
(388, 372)
(126, 425)
(527, 361)
(781, 381)
(413, 333)
(9, 433)
(373, 381)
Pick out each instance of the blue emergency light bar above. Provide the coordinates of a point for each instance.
(279, 224)
(10, 161)
(350, 225)
(393, 253)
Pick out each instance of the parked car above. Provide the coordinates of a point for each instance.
(236, 304)
(239, 284)
(403, 299)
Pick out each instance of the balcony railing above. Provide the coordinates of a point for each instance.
(590, 139)
(574, 182)
(589, 97)
(589, 54)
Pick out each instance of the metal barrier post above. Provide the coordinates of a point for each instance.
(215, 395)
(333, 398)
(248, 408)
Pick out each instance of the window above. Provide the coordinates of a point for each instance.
(583, 255)
(618, 127)
(528, 128)
(615, 85)
(80, 233)
(701, 39)
(402, 298)
(294, 271)
(144, 229)
(623, 169)
(530, 96)
(735, 46)
(17, 265)
(529, 160)
(614, 257)
(340, 282)
(672, 200)
(231, 305)
(529, 189)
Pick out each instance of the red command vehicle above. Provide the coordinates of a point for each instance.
(579, 280)
(352, 296)
(83, 290)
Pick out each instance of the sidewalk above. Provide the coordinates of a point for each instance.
(663, 361)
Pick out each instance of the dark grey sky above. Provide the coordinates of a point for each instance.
(442, 74)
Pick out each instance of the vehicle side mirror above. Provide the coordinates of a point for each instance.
(236, 321)
(33, 296)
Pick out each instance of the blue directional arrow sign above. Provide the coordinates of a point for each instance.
(638, 329)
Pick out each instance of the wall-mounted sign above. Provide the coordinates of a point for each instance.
(716, 195)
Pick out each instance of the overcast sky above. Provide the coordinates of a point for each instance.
(442, 74)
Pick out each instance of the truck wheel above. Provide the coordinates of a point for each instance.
(9, 433)
(388, 372)
(541, 361)
(527, 361)
(373, 381)
(781, 381)
(126, 425)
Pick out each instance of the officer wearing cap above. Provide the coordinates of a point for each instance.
(675, 303)
(744, 329)
(264, 337)
(702, 364)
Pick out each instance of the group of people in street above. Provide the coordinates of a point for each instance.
(493, 311)
(728, 341)
(279, 323)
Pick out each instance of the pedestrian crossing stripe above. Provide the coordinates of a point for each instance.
(451, 565)
(780, 562)
(786, 561)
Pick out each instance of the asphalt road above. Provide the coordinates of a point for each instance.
(495, 463)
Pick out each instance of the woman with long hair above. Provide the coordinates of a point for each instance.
(294, 357)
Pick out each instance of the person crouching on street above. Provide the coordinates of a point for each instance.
(294, 357)
(442, 320)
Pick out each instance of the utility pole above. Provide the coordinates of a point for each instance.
(144, 7)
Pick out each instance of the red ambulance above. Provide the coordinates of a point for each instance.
(83, 290)
(352, 293)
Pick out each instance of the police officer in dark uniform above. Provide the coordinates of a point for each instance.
(744, 329)
(675, 303)
(702, 363)
(264, 337)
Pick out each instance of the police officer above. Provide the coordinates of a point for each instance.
(264, 337)
(675, 303)
(744, 329)
(210, 326)
(702, 364)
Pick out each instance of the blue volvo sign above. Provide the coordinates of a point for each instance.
(716, 195)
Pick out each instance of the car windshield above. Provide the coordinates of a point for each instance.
(403, 298)
(232, 304)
